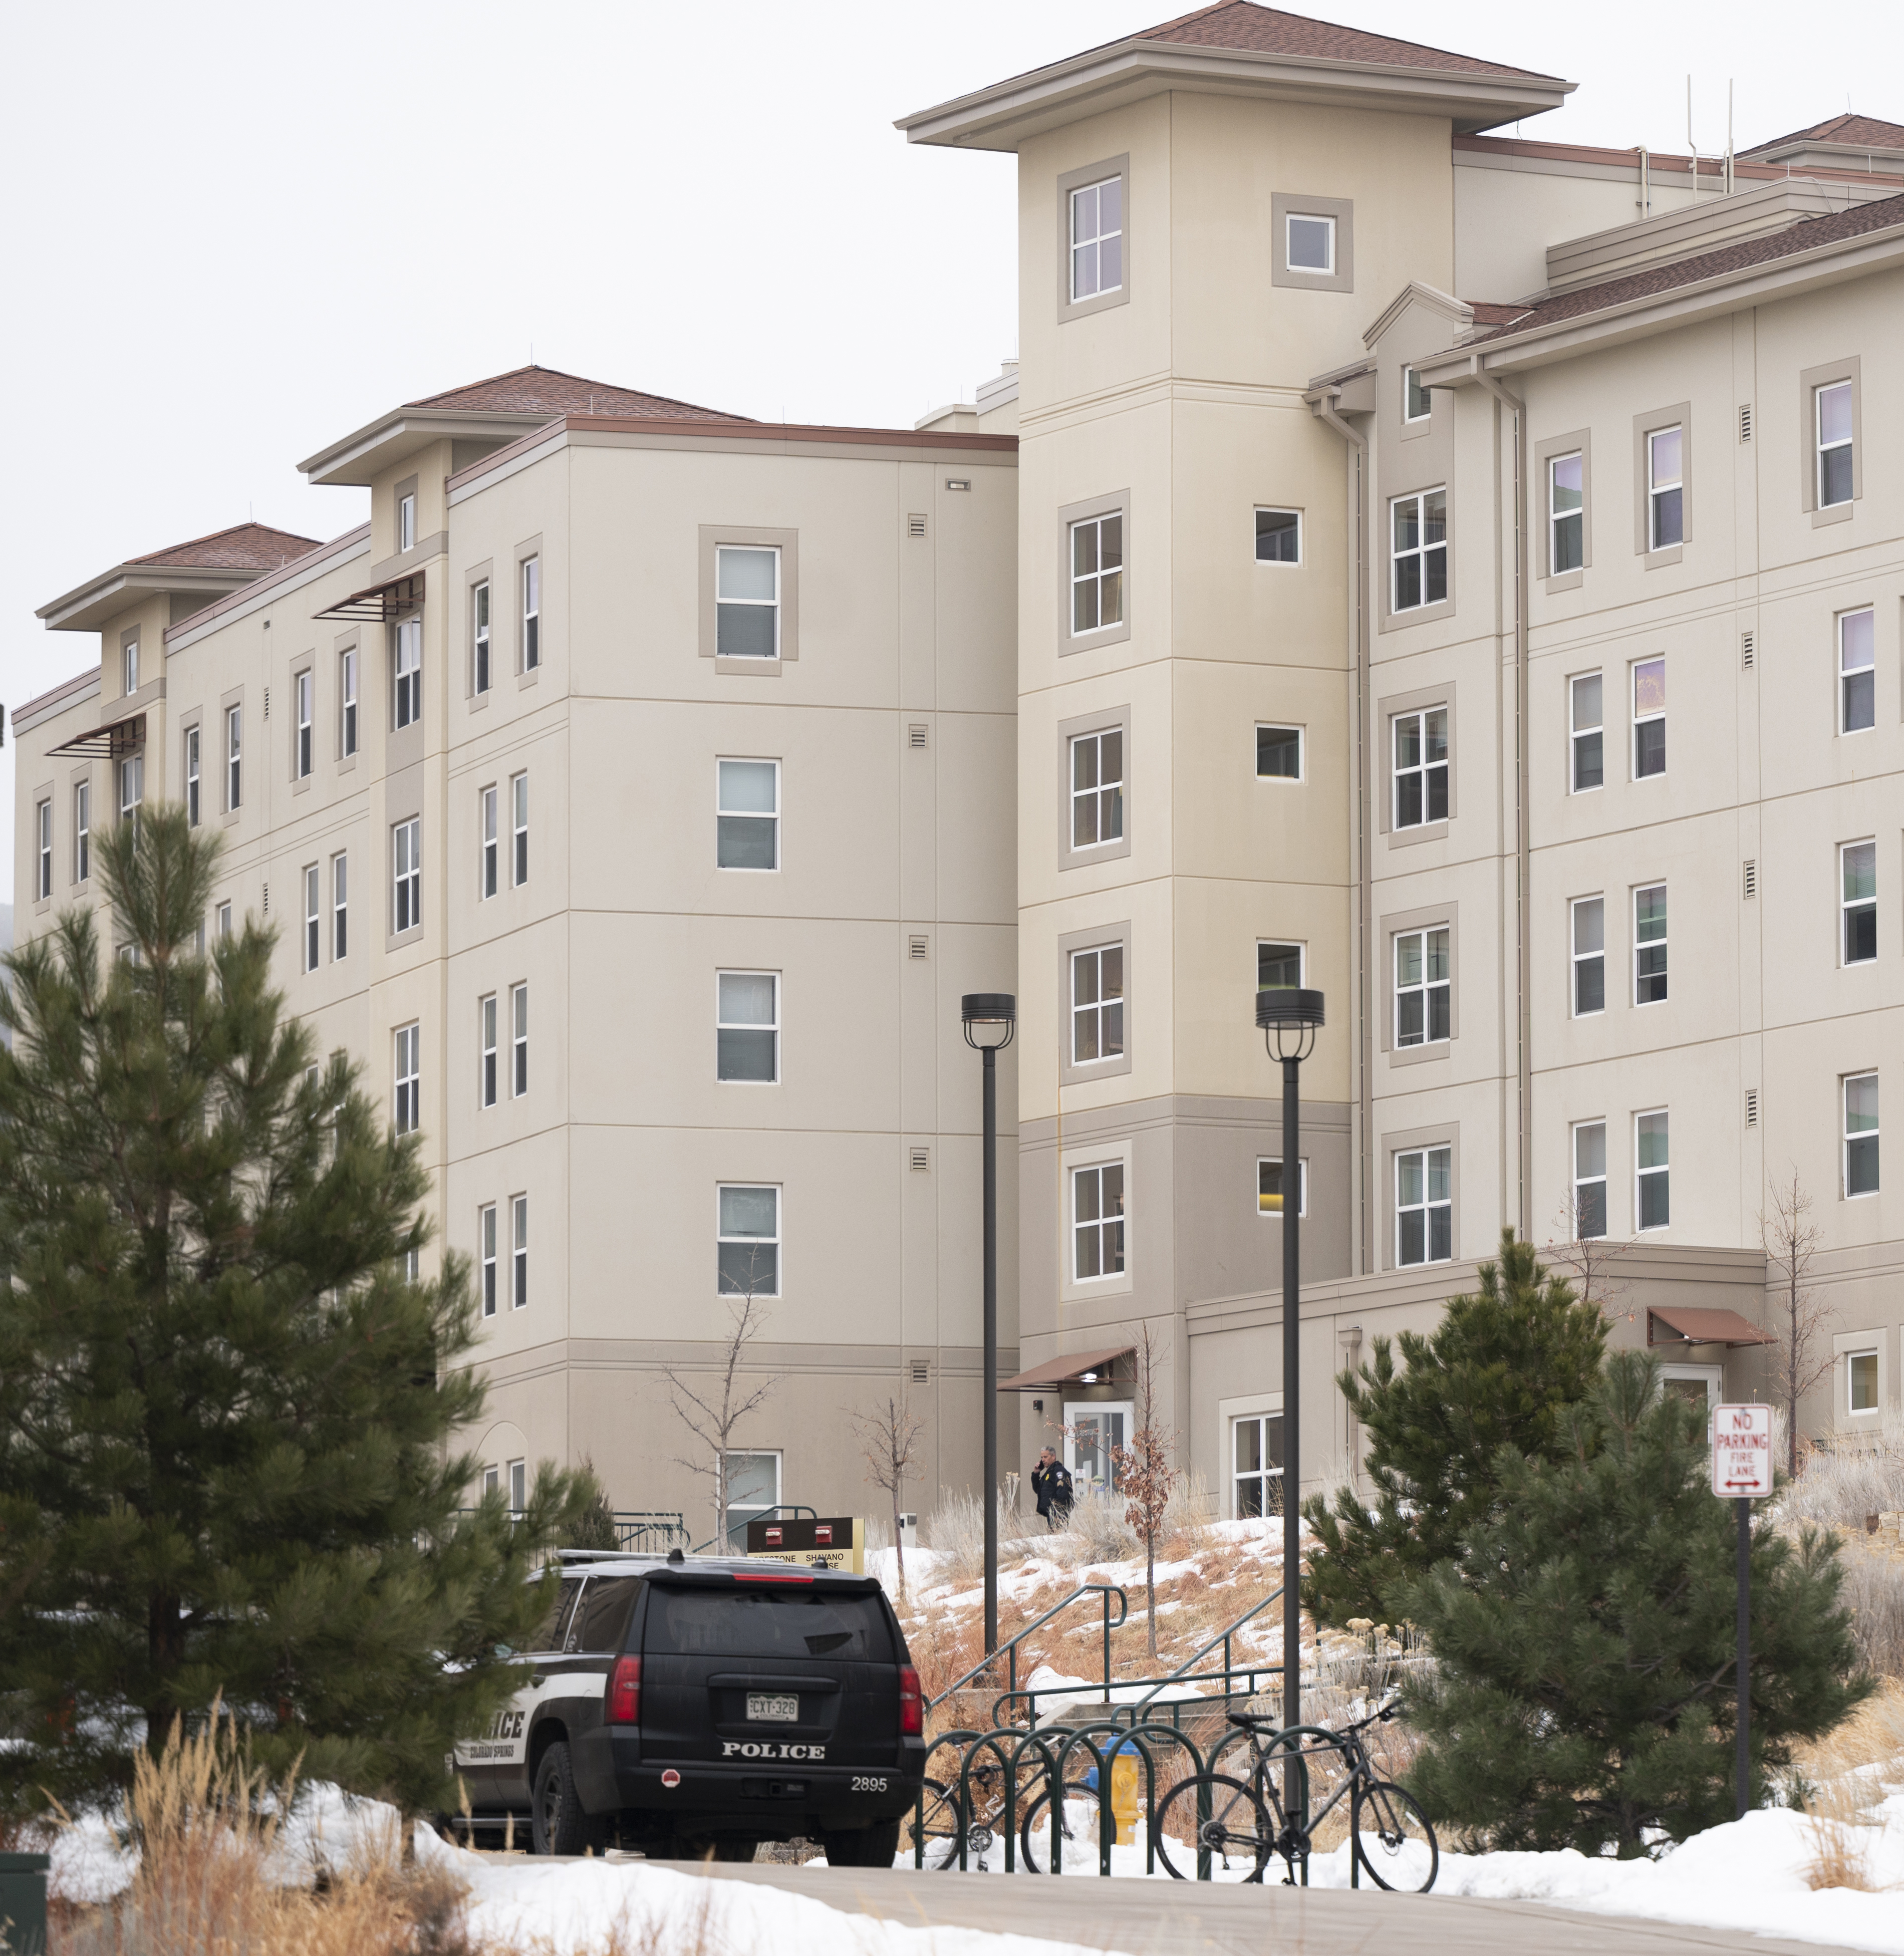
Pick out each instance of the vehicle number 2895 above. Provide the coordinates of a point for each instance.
(868, 1782)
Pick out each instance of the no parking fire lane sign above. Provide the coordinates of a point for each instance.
(1742, 1451)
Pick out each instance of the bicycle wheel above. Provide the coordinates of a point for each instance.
(1236, 1833)
(1392, 1839)
(944, 1824)
(1077, 1821)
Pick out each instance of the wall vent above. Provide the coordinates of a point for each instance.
(917, 948)
(1748, 651)
(916, 734)
(1745, 421)
(1751, 1107)
(267, 899)
(915, 525)
(921, 1371)
(267, 702)
(1751, 881)
(921, 1160)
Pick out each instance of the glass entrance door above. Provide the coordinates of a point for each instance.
(1092, 1430)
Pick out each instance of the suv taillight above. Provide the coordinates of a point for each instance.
(624, 1707)
(912, 1710)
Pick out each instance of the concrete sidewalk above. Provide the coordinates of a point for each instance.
(1144, 1918)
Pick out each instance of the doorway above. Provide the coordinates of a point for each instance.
(1093, 1429)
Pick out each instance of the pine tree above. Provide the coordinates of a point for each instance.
(1585, 1653)
(227, 1414)
(1498, 1369)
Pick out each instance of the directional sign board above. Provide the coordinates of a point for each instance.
(1742, 1451)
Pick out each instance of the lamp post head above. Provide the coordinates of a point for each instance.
(990, 1019)
(1290, 1020)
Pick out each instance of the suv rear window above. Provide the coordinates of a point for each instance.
(788, 1623)
(601, 1619)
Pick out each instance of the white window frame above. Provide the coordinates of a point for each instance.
(1094, 1009)
(1580, 730)
(1302, 751)
(406, 669)
(1658, 942)
(481, 674)
(132, 788)
(1100, 786)
(486, 1256)
(407, 1098)
(339, 905)
(488, 863)
(1578, 956)
(1847, 443)
(1858, 669)
(405, 522)
(1077, 207)
(1290, 220)
(1264, 1199)
(772, 605)
(528, 582)
(518, 1473)
(1265, 1475)
(234, 759)
(1856, 1138)
(1103, 1228)
(406, 874)
(518, 1252)
(722, 813)
(223, 917)
(1585, 1179)
(1659, 486)
(347, 702)
(489, 1083)
(748, 1511)
(1113, 1421)
(518, 1041)
(776, 1242)
(1301, 950)
(82, 831)
(1412, 391)
(313, 916)
(1658, 1170)
(1852, 908)
(193, 803)
(43, 851)
(722, 1023)
(1575, 514)
(304, 693)
(1422, 769)
(1852, 1409)
(1424, 986)
(1418, 552)
(1293, 528)
(129, 667)
(519, 831)
(1429, 1204)
(1101, 580)
(1653, 716)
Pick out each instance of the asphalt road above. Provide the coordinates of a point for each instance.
(1145, 1918)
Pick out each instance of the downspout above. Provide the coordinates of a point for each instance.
(1322, 405)
(1523, 1024)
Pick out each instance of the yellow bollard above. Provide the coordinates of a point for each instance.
(1124, 1770)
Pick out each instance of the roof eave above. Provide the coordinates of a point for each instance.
(356, 461)
(100, 599)
(1002, 116)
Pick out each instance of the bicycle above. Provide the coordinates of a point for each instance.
(1241, 1823)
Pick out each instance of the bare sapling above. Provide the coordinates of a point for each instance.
(1802, 1354)
(1146, 1474)
(888, 1438)
(711, 1411)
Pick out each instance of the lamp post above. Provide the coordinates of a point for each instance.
(990, 1019)
(1290, 1020)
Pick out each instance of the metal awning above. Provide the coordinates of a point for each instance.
(1068, 1370)
(383, 602)
(107, 743)
(1681, 1325)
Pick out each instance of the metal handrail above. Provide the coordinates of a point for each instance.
(1222, 1637)
(1009, 1650)
(793, 1509)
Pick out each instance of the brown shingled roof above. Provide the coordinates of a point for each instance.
(1858, 132)
(542, 390)
(244, 547)
(1488, 312)
(1254, 29)
(1861, 218)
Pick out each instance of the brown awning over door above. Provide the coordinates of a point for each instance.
(107, 743)
(1066, 1371)
(382, 603)
(1679, 1325)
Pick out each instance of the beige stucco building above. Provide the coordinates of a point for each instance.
(1457, 571)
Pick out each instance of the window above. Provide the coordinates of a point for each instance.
(409, 704)
(224, 920)
(1665, 488)
(1857, 678)
(531, 591)
(1860, 1381)
(486, 879)
(1648, 718)
(1650, 945)
(1654, 1205)
(192, 777)
(302, 689)
(1421, 767)
(746, 613)
(1590, 1180)
(479, 636)
(1257, 1451)
(1416, 405)
(1097, 1004)
(406, 522)
(1309, 244)
(1279, 966)
(753, 1490)
(1586, 713)
(313, 918)
(347, 701)
(1424, 1206)
(748, 1251)
(82, 831)
(747, 815)
(1098, 788)
(339, 906)
(1566, 512)
(1097, 1222)
(519, 803)
(1422, 987)
(1096, 239)
(748, 1027)
(1589, 956)
(409, 1082)
(1419, 549)
(1279, 536)
(1861, 1134)
(1835, 449)
(1097, 573)
(486, 1252)
(234, 757)
(518, 1041)
(131, 657)
(132, 788)
(1279, 753)
(44, 864)
(518, 1476)
(1857, 882)
(1269, 1186)
(486, 1065)
(406, 869)
(518, 1250)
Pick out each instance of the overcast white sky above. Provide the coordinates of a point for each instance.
(234, 232)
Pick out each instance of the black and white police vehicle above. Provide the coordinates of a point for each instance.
(685, 1707)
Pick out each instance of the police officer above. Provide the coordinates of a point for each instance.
(1051, 1483)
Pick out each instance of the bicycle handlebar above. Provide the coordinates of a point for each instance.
(1255, 1721)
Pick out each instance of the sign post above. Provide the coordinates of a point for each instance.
(1742, 1472)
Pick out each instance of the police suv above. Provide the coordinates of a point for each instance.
(691, 1707)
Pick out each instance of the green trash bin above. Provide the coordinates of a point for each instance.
(23, 1902)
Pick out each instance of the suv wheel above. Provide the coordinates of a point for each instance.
(872, 1846)
(557, 1824)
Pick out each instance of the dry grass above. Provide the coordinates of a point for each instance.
(1842, 1778)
